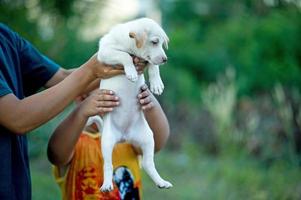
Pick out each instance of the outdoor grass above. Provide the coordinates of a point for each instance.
(201, 177)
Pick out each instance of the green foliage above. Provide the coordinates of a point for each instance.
(53, 27)
(43, 183)
(262, 47)
(209, 112)
(201, 177)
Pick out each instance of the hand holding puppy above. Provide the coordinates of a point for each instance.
(104, 71)
(145, 98)
(98, 102)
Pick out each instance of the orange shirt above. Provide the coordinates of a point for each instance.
(84, 175)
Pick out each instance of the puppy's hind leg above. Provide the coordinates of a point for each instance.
(146, 142)
(108, 140)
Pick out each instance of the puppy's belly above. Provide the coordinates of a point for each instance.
(128, 112)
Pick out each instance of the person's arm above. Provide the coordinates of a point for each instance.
(60, 75)
(155, 117)
(63, 140)
(24, 115)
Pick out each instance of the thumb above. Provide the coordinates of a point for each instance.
(115, 72)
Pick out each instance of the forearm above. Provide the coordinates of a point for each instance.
(158, 123)
(92, 86)
(63, 73)
(24, 115)
(62, 142)
(60, 75)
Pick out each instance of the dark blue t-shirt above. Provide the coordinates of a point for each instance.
(23, 70)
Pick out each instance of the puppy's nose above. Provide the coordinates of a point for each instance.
(164, 59)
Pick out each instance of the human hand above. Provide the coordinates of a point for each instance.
(145, 98)
(140, 64)
(102, 70)
(98, 102)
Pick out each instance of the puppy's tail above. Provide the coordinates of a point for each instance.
(97, 120)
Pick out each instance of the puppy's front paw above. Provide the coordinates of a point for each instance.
(131, 73)
(156, 86)
(164, 184)
(107, 187)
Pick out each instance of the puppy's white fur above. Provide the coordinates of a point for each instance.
(143, 38)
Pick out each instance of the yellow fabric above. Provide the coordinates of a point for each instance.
(84, 175)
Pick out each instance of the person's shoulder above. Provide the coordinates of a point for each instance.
(7, 32)
(5, 28)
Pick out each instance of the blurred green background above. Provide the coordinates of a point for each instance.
(232, 96)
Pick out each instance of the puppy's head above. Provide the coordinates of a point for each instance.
(150, 39)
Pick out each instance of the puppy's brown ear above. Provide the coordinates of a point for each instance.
(139, 38)
(132, 35)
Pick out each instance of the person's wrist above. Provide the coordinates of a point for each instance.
(153, 100)
(81, 114)
(90, 71)
(95, 68)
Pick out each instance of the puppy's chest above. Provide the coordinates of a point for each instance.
(128, 112)
(122, 86)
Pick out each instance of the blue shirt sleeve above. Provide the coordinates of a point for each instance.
(4, 88)
(36, 69)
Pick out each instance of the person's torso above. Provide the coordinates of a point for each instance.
(23, 70)
(14, 165)
(10, 69)
(85, 173)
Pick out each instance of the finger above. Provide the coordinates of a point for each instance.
(139, 70)
(107, 97)
(115, 72)
(148, 106)
(108, 104)
(144, 87)
(104, 110)
(145, 101)
(108, 92)
(142, 62)
(143, 65)
(111, 67)
(143, 94)
(140, 67)
(136, 60)
(119, 67)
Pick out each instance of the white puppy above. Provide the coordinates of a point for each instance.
(143, 38)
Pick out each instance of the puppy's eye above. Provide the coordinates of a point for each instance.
(155, 42)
